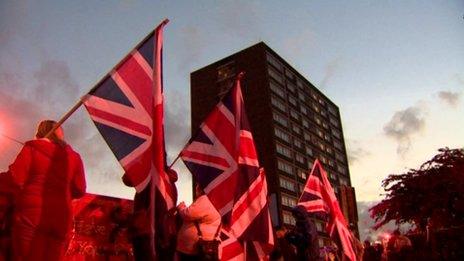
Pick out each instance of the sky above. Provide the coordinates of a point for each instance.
(394, 68)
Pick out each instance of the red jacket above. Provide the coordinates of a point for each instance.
(49, 177)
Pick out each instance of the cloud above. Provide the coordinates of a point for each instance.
(451, 99)
(330, 71)
(404, 125)
(192, 46)
(356, 152)
(239, 18)
(366, 223)
(299, 43)
(177, 122)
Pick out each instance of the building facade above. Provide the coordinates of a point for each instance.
(292, 122)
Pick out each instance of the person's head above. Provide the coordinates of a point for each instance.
(299, 212)
(45, 127)
(367, 243)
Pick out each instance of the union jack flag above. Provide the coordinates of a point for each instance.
(223, 160)
(319, 197)
(127, 109)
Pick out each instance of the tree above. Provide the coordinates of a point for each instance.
(433, 193)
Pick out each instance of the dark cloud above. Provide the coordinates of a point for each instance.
(451, 99)
(404, 125)
(366, 223)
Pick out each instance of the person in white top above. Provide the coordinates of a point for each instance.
(203, 212)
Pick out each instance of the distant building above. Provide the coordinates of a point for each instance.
(292, 122)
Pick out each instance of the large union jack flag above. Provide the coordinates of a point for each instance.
(319, 197)
(223, 160)
(127, 109)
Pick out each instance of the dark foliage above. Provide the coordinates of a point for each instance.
(432, 194)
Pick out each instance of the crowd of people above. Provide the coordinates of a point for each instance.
(35, 209)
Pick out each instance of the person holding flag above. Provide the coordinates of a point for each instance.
(319, 198)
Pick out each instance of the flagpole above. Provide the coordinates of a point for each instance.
(80, 102)
(239, 76)
(12, 139)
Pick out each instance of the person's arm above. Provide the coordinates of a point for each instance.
(78, 184)
(19, 169)
(195, 211)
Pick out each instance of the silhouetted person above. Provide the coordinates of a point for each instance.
(49, 174)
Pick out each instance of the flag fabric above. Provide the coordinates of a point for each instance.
(223, 161)
(126, 106)
(319, 198)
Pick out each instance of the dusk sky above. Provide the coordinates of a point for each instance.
(394, 68)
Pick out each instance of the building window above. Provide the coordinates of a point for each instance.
(305, 123)
(332, 110)
(323, 159)
(296, 129)
(336, 134)
(285, 167)
(329, 150)
(341, 169)
(331, 163)
(340, 157)
(323, 113)
(288, 218)
(309, 151)
(334, 122)
(320, 133)
(303, 110)
(273, 61)
(310, 164)
(282, 134)
(343, 182)
(316, 108)
(301, 96)
(282, 150)
(319, 229)
(299, 158)
(325, 125)
(275, 75)
(226, 71)
(297, 143)
(280, 119)
(321, 146)
(327, 137)
(318, 121)
(279, 104)
(294, 115)
(287, 184)
(288, 201)
(290, 75)
(291, 87)
(337, 145)
(307, 137)
(277, 89)
(292, 100)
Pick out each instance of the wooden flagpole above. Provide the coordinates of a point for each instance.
(81, 100)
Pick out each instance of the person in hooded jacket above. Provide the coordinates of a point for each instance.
(49, 174)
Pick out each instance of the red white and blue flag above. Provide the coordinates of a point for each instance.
(223, 160)
(127, 109)
(319, 198)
